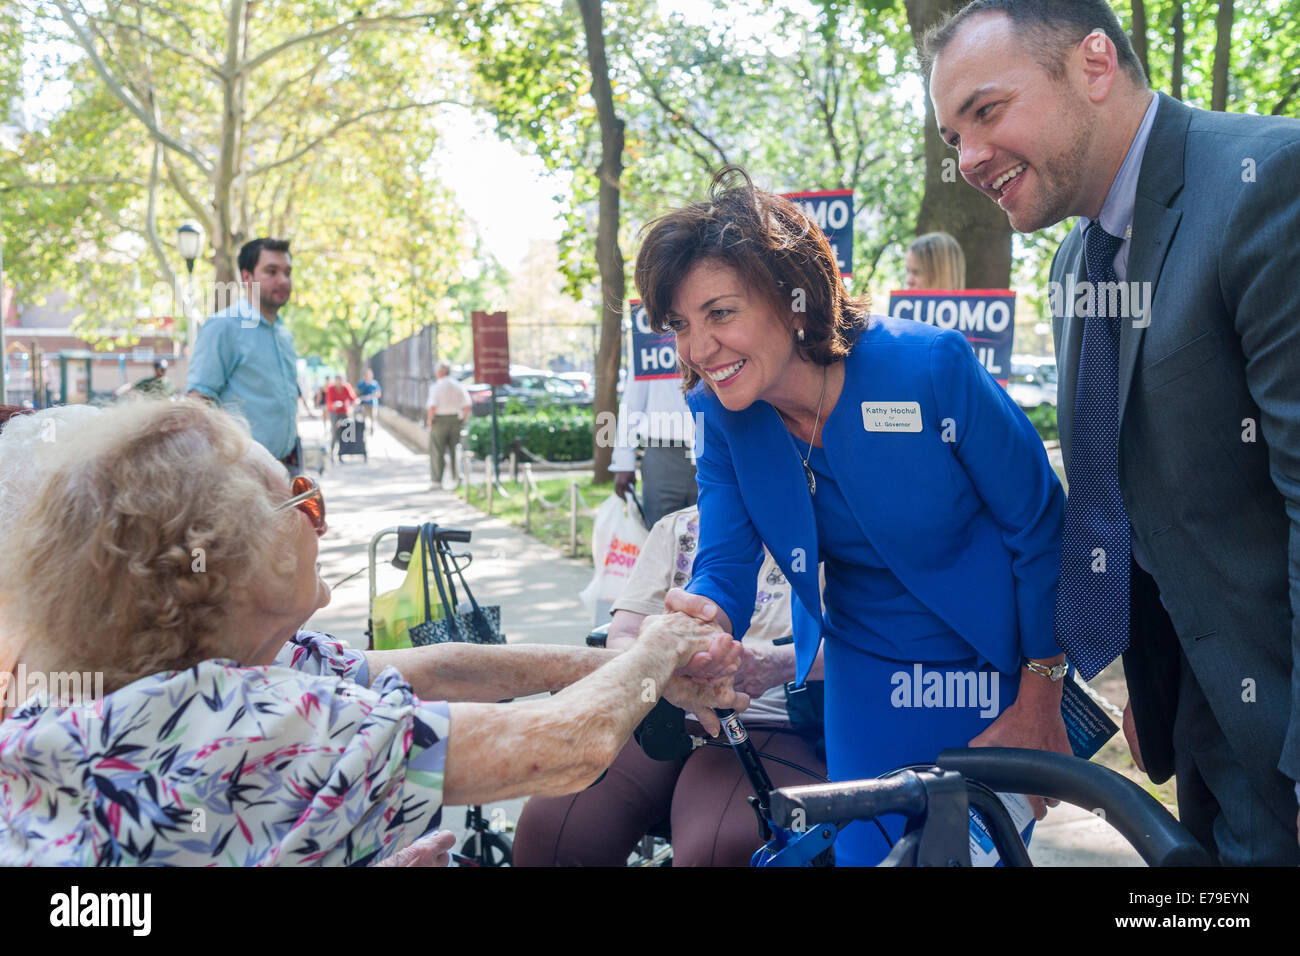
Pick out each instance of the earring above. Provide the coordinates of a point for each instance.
(799, 334)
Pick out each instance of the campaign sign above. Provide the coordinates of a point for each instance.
(491, 348)
(987, 317)
(832, 210)
(654, 354)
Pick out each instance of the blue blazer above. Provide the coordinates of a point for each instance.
(966, 512)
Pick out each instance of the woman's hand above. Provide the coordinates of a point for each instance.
(1033, 722)
(705, 611)
(433, 850)
(701, 649)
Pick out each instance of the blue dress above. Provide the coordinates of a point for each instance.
(938, 518)
(901, 685)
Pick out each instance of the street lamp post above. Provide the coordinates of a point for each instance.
(189, 242)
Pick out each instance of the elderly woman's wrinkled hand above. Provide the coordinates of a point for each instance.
(432, 850)
(700, 697)
(700, 649)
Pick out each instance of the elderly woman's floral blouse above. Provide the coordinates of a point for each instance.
(298, 762)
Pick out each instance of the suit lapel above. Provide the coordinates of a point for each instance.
(1154, 224)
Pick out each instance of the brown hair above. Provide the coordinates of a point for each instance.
(1048, 27)
(774, 248)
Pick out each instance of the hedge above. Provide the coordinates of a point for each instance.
(563, 434)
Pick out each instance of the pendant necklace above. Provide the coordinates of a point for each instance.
(807, 469)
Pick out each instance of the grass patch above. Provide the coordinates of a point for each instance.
(548, 525)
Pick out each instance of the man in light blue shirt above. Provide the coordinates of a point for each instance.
(244, 359)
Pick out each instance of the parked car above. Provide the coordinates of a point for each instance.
(532, 387)
(1032, 381)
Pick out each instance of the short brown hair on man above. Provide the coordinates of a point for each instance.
(1049, 27)
(774, 248)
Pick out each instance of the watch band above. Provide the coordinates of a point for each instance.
(1053, 673)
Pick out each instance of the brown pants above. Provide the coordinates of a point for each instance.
(702, 795)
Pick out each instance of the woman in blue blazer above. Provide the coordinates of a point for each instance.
(882, 449)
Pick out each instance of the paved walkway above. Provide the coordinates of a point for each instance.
(537, 588)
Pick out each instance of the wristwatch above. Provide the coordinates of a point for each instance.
(1053, 673)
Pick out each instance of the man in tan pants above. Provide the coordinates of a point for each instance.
(448, 410)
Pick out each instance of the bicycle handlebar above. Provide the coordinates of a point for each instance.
(803, 806)
(1140, 818)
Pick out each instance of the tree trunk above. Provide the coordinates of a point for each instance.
(950, 204)
(227, 236)
(1180, 38)
(1222, 55)
(1139, 36)
(355, 361)
(609, 257)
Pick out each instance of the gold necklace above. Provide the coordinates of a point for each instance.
(807, 470)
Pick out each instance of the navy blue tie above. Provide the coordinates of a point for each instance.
(1092, 598)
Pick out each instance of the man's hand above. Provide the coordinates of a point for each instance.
(623, 480)
(433, 850)
(1033, 722)
(1131, 735)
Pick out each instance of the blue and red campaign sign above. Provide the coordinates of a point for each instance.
(987, 317)
(832, 210)
(654, 354)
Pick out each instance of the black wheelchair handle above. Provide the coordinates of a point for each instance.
(798, 808)
(1140, 818)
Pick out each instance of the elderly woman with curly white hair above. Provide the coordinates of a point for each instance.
(169, 553)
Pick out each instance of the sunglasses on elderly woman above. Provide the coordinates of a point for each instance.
(308, 499)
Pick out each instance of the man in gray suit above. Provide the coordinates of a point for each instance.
(1176, 314)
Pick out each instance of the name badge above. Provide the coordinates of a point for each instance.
(891, 416)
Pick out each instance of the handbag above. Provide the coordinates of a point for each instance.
(394, 613)
(479, 625)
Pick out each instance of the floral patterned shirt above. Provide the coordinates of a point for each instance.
(298, 762)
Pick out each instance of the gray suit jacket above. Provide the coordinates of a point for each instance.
(1209, 443)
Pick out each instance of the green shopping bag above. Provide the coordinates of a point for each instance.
(395, 612)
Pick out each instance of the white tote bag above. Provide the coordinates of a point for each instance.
(616, 542)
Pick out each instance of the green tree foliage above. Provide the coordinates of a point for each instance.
(249, 117)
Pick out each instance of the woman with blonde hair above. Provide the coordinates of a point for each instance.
(935, 261)
(168, 554)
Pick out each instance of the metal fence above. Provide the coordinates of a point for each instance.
(405, 371)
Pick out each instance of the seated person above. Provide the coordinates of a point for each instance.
(704, 794)
(161, 705)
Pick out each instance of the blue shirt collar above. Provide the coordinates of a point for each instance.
(1117, 211)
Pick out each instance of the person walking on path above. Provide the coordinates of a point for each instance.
(448, 410)
(244, 359)
(369, 392)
